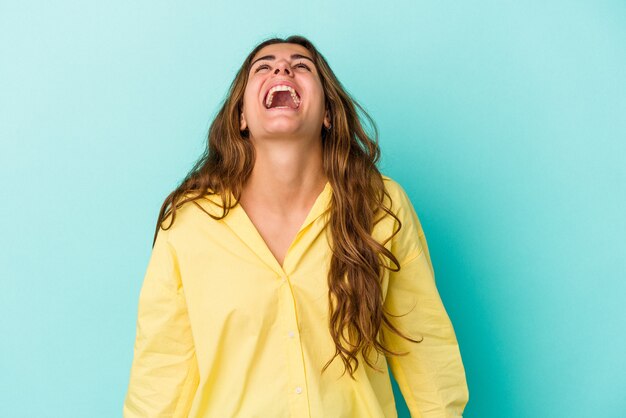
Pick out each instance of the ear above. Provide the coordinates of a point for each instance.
(327, 119)
(243, 124)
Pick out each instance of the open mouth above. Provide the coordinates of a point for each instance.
(282, 97)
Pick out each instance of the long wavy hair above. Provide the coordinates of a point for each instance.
(349, 161)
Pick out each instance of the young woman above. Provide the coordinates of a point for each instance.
(286, 259)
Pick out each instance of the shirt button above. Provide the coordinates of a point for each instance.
(291, 334)
(298, 389)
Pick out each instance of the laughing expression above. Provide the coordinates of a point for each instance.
(284, 94)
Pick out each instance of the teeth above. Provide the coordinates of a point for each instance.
(270, 95)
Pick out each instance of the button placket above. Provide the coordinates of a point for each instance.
(297, 374)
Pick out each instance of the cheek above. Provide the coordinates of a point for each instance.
(320, 94)
(249, 96)
(320, 101)
(246, 96)
(249, 103)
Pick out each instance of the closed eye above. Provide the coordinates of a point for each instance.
(297, 65)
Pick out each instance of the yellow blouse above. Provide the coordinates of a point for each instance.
(223, 330)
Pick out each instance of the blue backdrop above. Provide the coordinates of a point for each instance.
(504, 121)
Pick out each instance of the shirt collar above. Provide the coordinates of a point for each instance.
(241, 224)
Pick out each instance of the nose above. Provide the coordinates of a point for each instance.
(280, 67)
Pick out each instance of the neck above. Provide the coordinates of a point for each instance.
(287, 175)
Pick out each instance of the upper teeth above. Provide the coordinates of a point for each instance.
(282, 87)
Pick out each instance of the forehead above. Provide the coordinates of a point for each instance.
(283, 50)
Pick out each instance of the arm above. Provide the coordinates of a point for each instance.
(163, 376)
(431, 377)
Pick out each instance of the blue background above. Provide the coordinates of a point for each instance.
(504, 121)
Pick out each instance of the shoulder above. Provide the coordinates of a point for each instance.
(400, 201)
(192, 214)
(410, 239)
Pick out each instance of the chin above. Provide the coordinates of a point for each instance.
(281, 127)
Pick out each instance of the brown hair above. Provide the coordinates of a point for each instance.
(349, 162)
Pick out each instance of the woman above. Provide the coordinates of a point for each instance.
(286, 259)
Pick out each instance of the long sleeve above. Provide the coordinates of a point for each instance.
(432, 376)
(163, 374)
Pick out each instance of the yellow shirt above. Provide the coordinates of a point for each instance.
(223, 330)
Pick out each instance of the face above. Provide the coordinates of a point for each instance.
(293, 65)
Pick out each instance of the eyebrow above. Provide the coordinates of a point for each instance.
(273, 57)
